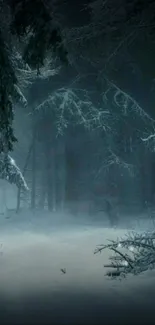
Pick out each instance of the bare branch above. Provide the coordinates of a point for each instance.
(73, 104)
(133, 254)
(151, 136)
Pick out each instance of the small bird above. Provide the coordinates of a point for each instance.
(63, 271)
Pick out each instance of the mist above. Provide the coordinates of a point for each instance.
(77, 162)
(33, 289)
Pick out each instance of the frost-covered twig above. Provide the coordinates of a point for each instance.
(151, 136)
(129, 107)
(149, 140)
(132, 255)
(125, 101)
(26, 75)
(113, 159)
(75, 105)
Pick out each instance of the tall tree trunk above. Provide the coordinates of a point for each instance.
(50, 176)
(33, 193)
(24, 171)
(61, 173)
(43, 190)
(52, 183)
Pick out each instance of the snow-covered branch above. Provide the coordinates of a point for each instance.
(151, 136)
(133, 254)
(113, 159)
(11, 172)
(75, 105)
(26, 75)
(149, 140)
(125, 101)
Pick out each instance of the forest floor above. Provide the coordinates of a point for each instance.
(34, 290)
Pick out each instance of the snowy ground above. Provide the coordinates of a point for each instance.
(33, 290)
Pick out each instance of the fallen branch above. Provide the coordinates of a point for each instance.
(139, 255)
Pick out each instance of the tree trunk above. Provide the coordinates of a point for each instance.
(50, 176)
(61, 174)
(33, 193)
(24, 171)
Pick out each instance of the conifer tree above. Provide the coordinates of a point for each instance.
(32, 24)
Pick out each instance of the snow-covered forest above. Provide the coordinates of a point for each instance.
(77, 124)
(91, 98)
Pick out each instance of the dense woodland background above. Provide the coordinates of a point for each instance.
(85, 116)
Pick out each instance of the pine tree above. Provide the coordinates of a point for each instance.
(34, 24)
(35, 21)
(7, 91)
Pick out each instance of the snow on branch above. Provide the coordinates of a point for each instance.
(11, 172)
(126, 102)
(19, 96)
(151, 136)
(149, 141)
(75, 105)
(133, 254)
(26, 75)
(113, 159)
(129, 106)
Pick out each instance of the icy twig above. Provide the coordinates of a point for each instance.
(140, 255)
(151, 136)
(73, 104)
